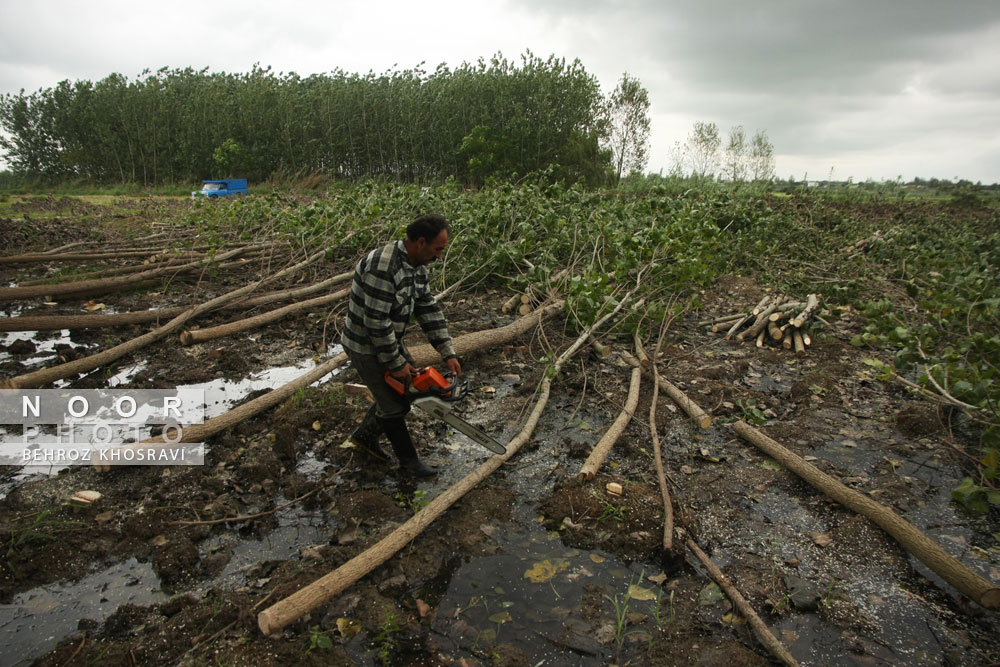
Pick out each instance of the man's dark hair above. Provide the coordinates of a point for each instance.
(426, 227)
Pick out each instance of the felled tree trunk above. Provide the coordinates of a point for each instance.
(109, 284)
(107, 273)
(929, 552)
(201, 335)
(35, 258)
(611, 436)
(96, 321)
(692, 409)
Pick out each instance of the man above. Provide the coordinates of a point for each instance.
(390, 286)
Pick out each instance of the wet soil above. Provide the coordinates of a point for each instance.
(533, 566)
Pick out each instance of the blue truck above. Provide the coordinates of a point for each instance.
(221, 188)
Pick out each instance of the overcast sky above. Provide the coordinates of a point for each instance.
(862, 89)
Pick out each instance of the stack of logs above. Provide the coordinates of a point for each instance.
(534, 295)
(776, 319)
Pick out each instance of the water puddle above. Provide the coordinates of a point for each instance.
(222, 395)
(45, 343)
(36, 620)
(297, 529)
(541, 597)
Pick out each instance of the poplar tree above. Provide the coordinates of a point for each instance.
(628, 126)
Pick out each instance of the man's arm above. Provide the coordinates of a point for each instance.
(427, 312)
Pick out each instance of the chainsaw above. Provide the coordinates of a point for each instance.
(431, 392)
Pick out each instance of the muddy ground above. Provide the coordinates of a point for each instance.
(532, 567)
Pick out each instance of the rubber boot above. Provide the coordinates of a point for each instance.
(366, 435)
(399, 436)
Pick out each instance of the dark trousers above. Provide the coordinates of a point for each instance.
(387, 414)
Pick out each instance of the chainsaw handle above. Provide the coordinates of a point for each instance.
(398, 386)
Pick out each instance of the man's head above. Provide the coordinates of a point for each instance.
(426, 238)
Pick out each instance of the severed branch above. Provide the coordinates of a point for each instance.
(192, 336)
(611, 436)
(692, 409)
(767, 638)
(909, 536)
(668, 507)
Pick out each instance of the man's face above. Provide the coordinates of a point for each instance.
(427, 252)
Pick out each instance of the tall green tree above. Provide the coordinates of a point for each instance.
(736, 155)
(761, 157)
(702, 149)
(628, 126)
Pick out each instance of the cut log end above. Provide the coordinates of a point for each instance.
(265, 623)
(705, 422)
(510, 304)
(991, 599)
(187, 338)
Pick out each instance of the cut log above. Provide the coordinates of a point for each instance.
(774, 331)
(45, 376)
(791, 305)
(510, 304)
(753, 313)
(96, 321)
(761, 322)
(719, 326)
(108, 284)
(760, 338)
(776, 648)
(611, 436)
(760, 306)
(812, 302)
(922, 547)
(721, 319)
(280, 614)
(524, 309)
(230, 328)
(692, 409)
(602, 350)
(800, 346)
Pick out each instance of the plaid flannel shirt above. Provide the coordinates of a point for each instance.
(388, 290)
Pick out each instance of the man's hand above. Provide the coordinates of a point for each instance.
(404, 374)
(454, 366)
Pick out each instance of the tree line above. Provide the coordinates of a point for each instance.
(479, 120)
